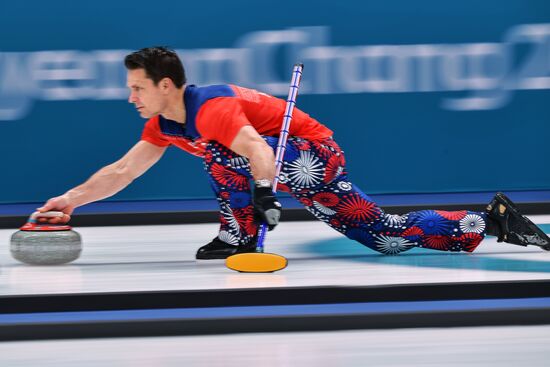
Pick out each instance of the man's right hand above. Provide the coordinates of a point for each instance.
(59, 203)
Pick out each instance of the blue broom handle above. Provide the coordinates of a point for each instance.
(281, 144)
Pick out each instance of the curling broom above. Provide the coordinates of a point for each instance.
(259, 261)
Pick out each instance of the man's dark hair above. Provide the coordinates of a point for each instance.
(158, 63)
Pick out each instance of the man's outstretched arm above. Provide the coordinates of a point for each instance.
(106, 182)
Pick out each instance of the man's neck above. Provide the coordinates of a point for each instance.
(176, 107)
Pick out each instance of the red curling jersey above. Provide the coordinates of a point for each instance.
(218, 112)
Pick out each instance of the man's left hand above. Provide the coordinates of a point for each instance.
(267, 208)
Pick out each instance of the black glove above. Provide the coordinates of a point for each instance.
(266, 207)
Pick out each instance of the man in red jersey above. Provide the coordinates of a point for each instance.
(235, 131)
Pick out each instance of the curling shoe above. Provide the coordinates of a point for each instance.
(217, 249)
(509, 225)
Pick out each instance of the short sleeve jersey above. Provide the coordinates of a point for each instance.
(218, 112)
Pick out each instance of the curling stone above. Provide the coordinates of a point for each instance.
(45, 244)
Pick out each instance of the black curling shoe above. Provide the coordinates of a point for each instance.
(509, 225)
(217, 249)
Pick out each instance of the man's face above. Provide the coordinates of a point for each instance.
(147, 97)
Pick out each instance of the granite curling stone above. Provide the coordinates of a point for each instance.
(45, 244)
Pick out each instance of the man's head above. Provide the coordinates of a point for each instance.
(154, 75)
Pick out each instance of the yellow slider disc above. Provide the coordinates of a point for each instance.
(256, 262)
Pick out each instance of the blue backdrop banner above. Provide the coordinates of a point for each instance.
(424, 96)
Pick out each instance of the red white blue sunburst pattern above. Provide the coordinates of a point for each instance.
(314, 173)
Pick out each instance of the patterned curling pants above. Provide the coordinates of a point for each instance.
(314, 173)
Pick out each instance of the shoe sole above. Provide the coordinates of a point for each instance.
(212, 257)
(504, 204)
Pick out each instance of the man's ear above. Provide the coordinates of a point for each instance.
(165, 84)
